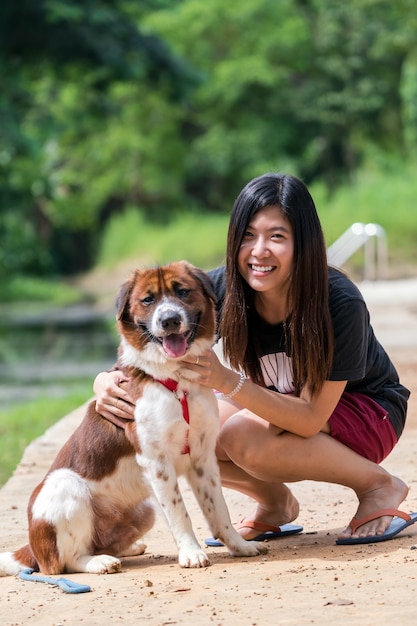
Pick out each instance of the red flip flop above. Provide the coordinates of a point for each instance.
(267, 532)
(399, 522)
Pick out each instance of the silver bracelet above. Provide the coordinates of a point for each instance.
(238, 387)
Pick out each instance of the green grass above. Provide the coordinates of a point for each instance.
(388, 199)
(21, 424)
(197, 237)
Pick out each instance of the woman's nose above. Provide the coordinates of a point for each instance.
(260, 247)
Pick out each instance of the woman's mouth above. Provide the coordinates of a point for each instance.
(263, 269)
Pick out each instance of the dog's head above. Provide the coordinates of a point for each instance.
(166, 311)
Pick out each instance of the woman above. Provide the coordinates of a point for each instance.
(310, 394)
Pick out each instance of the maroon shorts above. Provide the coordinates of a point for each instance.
(363, 425)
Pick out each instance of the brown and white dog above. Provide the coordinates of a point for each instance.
(94, 505)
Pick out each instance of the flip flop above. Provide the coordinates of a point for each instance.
(267, 532)
(400, 521)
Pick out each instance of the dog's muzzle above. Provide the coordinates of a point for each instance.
(173, 330)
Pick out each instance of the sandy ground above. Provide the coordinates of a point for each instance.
(302, 580)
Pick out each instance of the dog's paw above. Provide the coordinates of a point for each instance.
(247, 548)
(103, 564)
(194, 558)
(136, 549)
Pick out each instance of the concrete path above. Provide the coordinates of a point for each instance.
(393, 308)
(301, 581)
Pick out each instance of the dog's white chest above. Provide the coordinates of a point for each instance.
(168, 419)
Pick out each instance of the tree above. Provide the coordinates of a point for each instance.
(302, 85)
(70, 67)
(164, 105)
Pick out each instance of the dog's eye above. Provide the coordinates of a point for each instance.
(148, 300)
(182, 292)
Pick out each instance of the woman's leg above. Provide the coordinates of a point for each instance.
(276, 505)
(269, 456)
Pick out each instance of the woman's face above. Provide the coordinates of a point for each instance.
(265, 258)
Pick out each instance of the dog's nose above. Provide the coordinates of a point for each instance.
(171, 321)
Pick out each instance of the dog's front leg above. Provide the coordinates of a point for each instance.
(163, 479)
(204, 479)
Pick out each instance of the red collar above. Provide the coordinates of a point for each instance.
(172, 385)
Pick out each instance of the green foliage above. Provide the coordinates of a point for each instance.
(70, 72)
(106, 105)
(300, 87)
(21, 424)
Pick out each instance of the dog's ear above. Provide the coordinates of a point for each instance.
(122, 301)
(204, 280)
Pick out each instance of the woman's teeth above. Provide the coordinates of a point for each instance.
(262, 268)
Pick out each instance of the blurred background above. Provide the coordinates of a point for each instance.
(128, 128)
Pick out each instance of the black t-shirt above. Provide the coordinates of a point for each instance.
(358, 356)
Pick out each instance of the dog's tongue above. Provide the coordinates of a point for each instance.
(175, 345)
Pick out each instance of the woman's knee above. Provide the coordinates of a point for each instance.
(240, 439)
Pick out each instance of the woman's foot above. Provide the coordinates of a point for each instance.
(388, 495)
(283, 513)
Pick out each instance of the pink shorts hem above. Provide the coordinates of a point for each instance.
(363, 425)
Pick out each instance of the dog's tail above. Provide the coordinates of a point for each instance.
(11, 563)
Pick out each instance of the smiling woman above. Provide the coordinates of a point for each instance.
(274, 222)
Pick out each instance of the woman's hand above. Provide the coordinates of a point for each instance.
(211, 372)
(111, 397)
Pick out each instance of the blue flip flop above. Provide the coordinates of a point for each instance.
(267, 532)
(399, 522)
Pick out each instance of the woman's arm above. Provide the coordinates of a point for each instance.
(304, 416)
(111, 397)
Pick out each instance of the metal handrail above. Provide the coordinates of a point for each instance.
(373, 239)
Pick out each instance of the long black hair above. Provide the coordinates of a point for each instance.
(309, 328)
